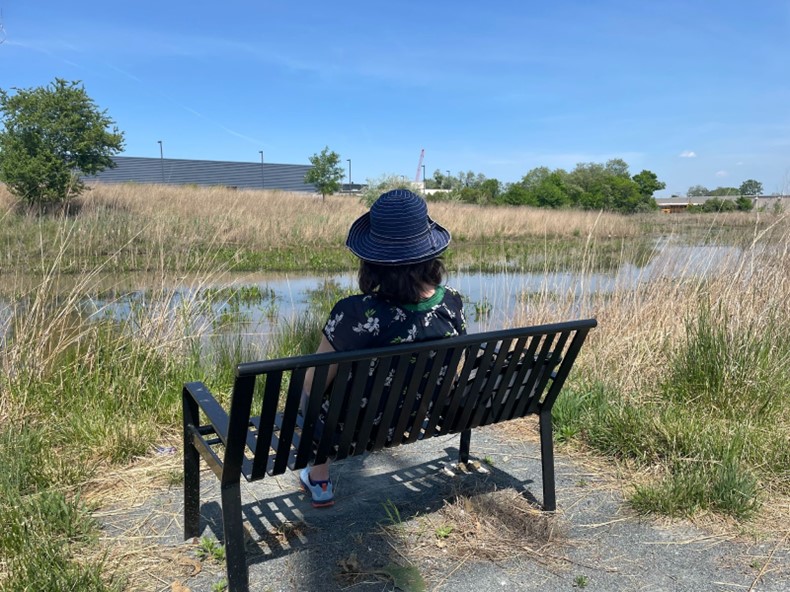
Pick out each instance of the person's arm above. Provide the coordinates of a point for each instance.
(323, 348)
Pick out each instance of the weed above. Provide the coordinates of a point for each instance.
(482, 310)
(489, 460)
(210, 548)
(581, 581)
(444, 531)
(393, 514)
(219, 586)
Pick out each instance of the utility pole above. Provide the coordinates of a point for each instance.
(263, 178)
(349, 171)
(161, 159)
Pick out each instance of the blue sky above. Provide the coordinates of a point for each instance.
(696, 91)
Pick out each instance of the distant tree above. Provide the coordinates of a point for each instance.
(724, 191)
(375, 187)
(751, 187)
(617, 167)
(516, 195)
(51, 136)
(697, 191)
(648, 183)
(326, 173)
(718, 205)
(744, 203)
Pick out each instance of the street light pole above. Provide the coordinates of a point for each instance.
(263, 178)
(161, 159)
(349, 170)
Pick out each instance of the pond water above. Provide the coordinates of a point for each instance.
(255, 304)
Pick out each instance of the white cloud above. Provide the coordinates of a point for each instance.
(722, 173)
(688, 154)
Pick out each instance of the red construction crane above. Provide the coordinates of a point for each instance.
(419, 167)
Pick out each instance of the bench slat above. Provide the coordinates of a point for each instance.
(493, 380)
(265, 425)
(366, 426)
(551, 363)
(403, 362)
(528, 361)
(337, 400)
(565, 367)
(358, 388)
(527, 392)
(408, 402)
(506, 382)
(282, 445)
(440, 356)
(441, 402)
(310, 415)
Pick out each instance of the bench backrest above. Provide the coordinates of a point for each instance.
(445, 386)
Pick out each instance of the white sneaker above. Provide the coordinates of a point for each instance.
(320, 491)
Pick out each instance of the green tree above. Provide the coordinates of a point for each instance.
(326, 173)
(697, 191)
(618, 167)
(376, 187)
(751, 187)
(51, 136)
(744, 203)
(718, 205)
(724, 191)
(648, 183)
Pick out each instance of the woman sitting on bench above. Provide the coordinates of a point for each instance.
(403, 298)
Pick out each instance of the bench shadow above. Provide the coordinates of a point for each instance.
(285, 524)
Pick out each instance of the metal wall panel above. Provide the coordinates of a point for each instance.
(174, 171)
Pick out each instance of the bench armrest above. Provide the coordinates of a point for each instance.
(217, 417)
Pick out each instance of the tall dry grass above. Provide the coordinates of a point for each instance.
(110, 216)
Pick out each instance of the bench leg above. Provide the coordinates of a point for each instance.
(463, 448)
(547, 462)
(191, 472)
(233, 529)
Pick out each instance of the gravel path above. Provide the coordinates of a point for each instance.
(388, 508)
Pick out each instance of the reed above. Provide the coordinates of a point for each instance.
(685, 379)
(688, 375)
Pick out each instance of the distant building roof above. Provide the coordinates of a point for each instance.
(701, 199)
(175, 171)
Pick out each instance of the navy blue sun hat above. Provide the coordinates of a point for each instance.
(397, 230)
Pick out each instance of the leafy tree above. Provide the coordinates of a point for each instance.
(617, 167)
(326, 173)
(697, 191)
(744, 203)
(516, 195)
(751, 187)
(648, 183)
(382, 184)
(51, 136)
(718, 205)
(724, 191)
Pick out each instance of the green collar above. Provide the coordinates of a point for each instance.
(428, 303)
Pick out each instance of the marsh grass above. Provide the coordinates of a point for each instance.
(138, 228)
(685, 377)
(688, 377)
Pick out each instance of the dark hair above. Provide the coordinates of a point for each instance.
(402, 284)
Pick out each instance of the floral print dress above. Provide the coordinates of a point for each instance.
(366, 321)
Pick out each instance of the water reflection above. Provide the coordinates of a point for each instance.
(253, 305)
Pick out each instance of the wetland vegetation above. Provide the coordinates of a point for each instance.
(685, 384)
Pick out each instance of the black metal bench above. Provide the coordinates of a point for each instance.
(492, 377)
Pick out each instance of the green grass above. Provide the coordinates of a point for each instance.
(79, 396)
(711, 426)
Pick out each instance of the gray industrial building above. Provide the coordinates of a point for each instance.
(176, 171)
